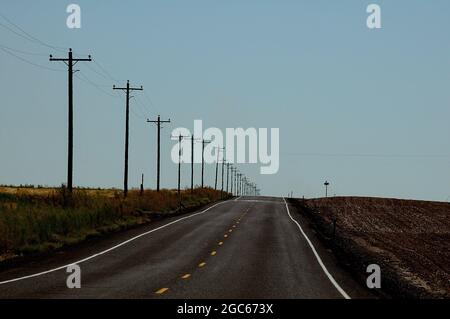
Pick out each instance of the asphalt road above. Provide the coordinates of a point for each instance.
(245, 248)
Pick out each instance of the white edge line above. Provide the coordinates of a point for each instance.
(236, 199)
(319, 260)
(110, 249)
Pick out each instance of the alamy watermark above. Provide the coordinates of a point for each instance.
(74, 279)
(374, 279)
(74, 19)
(374, 19)
(242, 146)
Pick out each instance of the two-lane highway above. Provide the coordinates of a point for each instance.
(253, 247)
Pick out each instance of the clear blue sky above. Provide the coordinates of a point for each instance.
(367, 110)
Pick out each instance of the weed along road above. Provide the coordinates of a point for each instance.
(251, 247)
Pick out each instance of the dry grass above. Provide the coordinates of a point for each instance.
(40, 219)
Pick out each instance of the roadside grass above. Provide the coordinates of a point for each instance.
(36, 221)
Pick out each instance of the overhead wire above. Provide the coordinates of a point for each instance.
(30, 62)
(22, 51)
(103, 72)
(27, 35)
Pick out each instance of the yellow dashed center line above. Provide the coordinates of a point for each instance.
(161, 291)
(213, 253)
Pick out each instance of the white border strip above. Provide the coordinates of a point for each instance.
(319, 260)
(110, 249)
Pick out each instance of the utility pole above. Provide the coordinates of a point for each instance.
(239, 184)
(142, 185)
(127, 91)
(158, 159)
(217, 168)
(192, 164)
(232, 180)
(217, 164)
(70, 62)
(228, 173)
(180, 138)
(236, 181)
(326, 188)
(223, 166)
(203, 159)
(179, 165)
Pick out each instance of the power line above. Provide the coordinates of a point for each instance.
(150, 101)
(144, 110)
(28, 36)
(99, 74)
(149, 109)
(85, 79)
(22, 52)
(106, 72)
(91, 83)
(15, 32)
(29, 62)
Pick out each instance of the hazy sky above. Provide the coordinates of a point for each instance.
(368, 110)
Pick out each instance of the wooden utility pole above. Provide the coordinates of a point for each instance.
(238, 183)
(232, 179)
(70, 62)
(127, 90)
(180, 139)
(223, 166)
(158, 158)
(228, 173)
(326, 188)
(203, 159)
(217, 165)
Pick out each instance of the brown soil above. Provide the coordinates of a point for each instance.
(409, 239)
